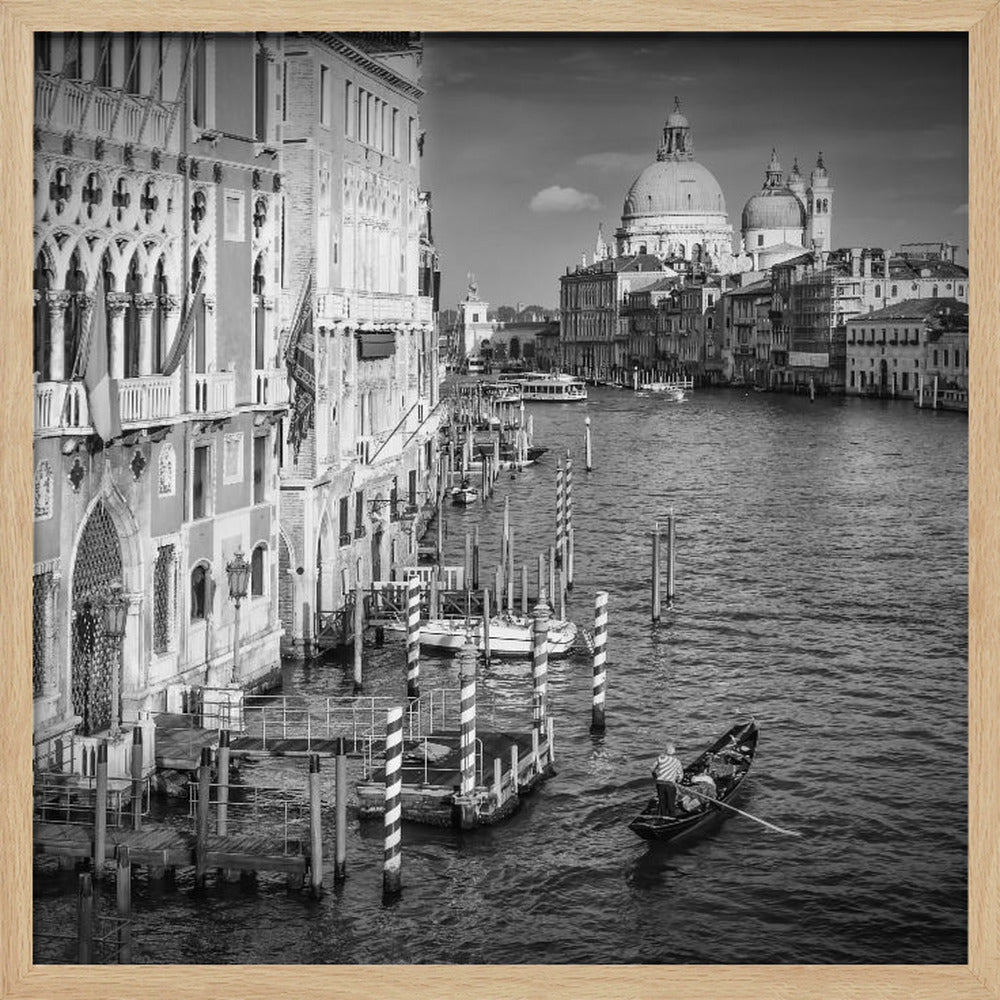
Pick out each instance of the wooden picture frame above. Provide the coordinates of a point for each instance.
(980, 978)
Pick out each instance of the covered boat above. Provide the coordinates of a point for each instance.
(510, 635)
(728, 762)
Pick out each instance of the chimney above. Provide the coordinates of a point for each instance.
(866, 264)
(888, 257)
(855, 262)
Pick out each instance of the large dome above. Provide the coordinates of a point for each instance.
(774, 209)
(674, 186)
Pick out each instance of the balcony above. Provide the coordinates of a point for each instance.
(61, 405)
(270, 388)
(79, 106)
(212, 392)
(375, 307)
(149, 398)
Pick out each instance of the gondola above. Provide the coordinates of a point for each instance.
(728, 760)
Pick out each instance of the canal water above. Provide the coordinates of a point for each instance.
(821, 582)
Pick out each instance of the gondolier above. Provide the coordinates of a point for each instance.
(667, 771)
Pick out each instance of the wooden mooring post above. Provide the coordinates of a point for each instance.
(315, 829)
(524, 588)
(359, 634)
(670, 558)
(340, 859)
(486, 625)
(222, 778)
(135, 772)
(589, 457)
(100, 809)
(510, 574)
(655, 594)
(85, 919)
(123, 901)
(201, 817)
(475, 558)
(539, 663)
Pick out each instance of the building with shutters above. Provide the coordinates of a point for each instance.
(358, 459)
(157, 385)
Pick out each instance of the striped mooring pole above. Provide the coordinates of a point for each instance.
(539, 663)
(392, 860)
(413, 637)
(467, 748)
(600, 655)
(560, 496)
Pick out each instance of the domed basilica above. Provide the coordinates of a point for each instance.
(675, 210)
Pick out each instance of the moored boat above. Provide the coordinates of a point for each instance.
(510, 635)
(464, 495)
(728, 762)
(668, 389)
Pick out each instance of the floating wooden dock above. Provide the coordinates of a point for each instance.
(510, 765)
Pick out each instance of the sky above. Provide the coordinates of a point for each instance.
(533, 139)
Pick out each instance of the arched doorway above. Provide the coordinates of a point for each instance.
(286, 593)
(883, 377)
(97, 568)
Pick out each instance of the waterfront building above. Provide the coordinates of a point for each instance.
(675, 209)
(892, 351)
(358, 277)
(157, 230)
(474, 327)
(815, 294)
(743, 316)
(594, 326)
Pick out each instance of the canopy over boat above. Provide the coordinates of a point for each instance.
(728, 762)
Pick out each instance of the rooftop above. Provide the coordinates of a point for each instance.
(929, 310)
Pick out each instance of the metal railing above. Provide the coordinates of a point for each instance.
(55, 799)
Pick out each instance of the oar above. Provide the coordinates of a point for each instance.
(688, 790)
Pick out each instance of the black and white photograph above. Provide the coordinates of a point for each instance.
(500, 499)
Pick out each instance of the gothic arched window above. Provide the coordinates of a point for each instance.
(133, 286)
(160, 345)
(198, 317)
(76, 285)
(42, 323)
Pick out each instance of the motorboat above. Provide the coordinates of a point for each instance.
(510, 635)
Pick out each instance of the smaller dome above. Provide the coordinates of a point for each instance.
(778, 209)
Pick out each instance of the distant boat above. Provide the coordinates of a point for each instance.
(668, 389)
(464, 495)
(539, 387)
(510, 635)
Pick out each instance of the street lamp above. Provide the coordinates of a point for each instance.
(115, 612)
(238, 571)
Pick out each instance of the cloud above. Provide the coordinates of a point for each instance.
(560, 199)
(615, 162)
(962, 210)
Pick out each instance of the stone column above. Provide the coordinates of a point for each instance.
(117, 301)
(56, 303)
(145, 305)
(172, 322)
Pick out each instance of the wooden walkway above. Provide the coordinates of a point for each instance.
(166, 848)
(179, 742)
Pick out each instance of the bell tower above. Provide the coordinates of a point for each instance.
(819, 208)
